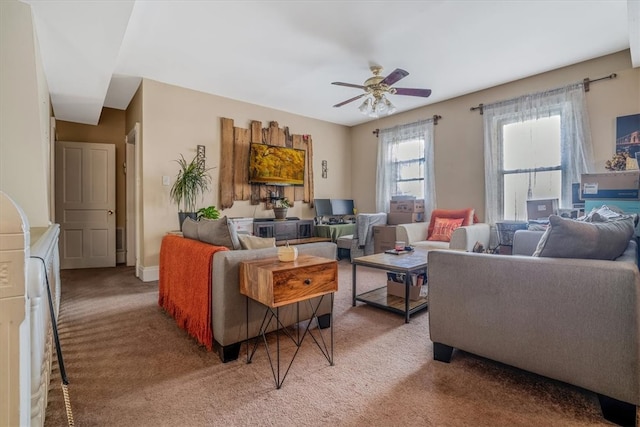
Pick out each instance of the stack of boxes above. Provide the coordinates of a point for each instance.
(404, 211)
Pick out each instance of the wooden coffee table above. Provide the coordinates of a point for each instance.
(410, 263)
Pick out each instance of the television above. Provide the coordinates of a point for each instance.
(323, 207)
(342, 207)
(274, 165)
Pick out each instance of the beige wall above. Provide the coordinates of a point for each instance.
(459, 161)
(109, 130)
(24, 118)
(175, 120)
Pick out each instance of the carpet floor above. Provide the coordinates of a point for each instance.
(128, 364)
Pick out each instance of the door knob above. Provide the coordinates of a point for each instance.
(110, 212)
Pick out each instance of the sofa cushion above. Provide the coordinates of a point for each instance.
(219, 232)
(190, 228)
(443, 228)
(568, 238)
(466, 214)
(248, 241)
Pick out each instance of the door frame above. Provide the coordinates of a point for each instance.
(133, 193)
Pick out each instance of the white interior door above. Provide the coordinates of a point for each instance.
(86, 204)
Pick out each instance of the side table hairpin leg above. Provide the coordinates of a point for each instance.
(271, 315)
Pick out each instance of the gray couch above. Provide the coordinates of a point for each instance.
(228, 306)
(573, 320)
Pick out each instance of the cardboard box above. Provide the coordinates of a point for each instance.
(384, 238)
(395, 218)
(541, 209)
(396, 286)
(398, 290)
(611, 185)
(406, 206)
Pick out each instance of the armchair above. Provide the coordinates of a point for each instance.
(462, 238)
(361, 243)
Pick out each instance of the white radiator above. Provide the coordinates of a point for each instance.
(26, 346)
(44, 264)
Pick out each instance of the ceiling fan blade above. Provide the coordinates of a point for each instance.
(347, 85)
(349, 100)
(413, 92)
(396, 75)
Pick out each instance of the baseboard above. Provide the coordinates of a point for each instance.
(121, 257)
(149, 274)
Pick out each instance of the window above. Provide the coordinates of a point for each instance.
(535, 146)
(531, 164)
(405, 164)
(409, 161)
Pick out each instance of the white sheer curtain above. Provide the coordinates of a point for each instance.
(387, 173)
(575, 138)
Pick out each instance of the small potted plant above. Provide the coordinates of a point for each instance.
(192, 181)
(280, 208)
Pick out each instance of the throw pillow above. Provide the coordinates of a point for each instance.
(443, 228)
(248, 241)
(468, 216)
(568, 238)
(190, 228)
(219, 232)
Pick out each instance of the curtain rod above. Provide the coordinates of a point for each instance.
(585, 83)
(435, 122)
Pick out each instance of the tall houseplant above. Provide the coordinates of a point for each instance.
(192, 181)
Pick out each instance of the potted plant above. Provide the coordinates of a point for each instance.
(210, 212)
(280, 208)
(192, 181)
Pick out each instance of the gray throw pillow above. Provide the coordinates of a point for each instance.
(248, 241)
(190, 228)
(219, 232)
(568, 238)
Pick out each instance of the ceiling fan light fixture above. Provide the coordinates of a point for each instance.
(390, 107)
(376, 103)
(373, 110)
(364, 108)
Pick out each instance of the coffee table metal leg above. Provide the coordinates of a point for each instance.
(407, 283)
(353, 285)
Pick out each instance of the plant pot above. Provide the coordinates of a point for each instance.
(280, 213)
(183, 215)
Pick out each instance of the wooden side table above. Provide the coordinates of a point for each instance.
(275, 284)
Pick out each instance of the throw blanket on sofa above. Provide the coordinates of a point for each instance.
(184, 287)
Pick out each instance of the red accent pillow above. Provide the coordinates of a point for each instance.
(468, 216)
(443, 228)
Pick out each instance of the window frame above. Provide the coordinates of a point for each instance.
(420, 161)
(508, 120)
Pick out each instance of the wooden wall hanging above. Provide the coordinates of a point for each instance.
(234, 163)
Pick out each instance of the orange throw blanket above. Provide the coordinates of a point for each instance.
(184, 287)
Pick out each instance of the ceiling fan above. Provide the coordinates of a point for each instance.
(377, 87)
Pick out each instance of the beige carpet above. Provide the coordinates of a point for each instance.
(129, 365)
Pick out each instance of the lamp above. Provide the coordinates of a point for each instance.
(376, 105)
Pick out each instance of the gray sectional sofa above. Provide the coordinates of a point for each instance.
(573, 320)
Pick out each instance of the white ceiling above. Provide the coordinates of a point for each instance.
(285, 54)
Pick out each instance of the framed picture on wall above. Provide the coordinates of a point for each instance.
(628, 134)
(628, 138)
